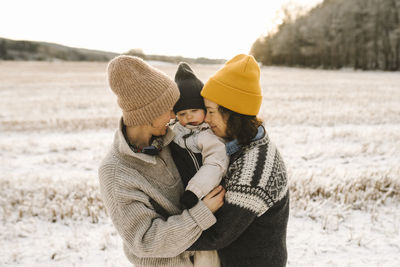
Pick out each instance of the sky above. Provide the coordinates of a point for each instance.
(203, 28)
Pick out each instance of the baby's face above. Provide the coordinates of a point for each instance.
(191, 116)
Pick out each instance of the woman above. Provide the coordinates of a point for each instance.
(139, 182)
(251, 226)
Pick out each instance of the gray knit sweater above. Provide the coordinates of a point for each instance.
(141, 194)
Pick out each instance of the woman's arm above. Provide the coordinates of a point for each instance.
(254, 184)
(232, 221)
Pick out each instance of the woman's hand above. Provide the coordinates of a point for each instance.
(215, 199)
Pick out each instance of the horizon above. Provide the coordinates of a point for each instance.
(184, 29)
(106, 51)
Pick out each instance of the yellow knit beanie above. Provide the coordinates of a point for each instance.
(236, 86)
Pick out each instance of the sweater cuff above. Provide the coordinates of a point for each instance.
(202, 215)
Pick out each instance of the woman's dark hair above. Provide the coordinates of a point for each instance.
(239, 126)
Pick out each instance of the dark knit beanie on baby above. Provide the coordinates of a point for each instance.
(189, 86)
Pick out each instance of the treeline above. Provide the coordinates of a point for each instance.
(42, 51)
(362, 34)
(174, 59)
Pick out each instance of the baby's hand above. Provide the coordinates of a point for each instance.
(189, 199)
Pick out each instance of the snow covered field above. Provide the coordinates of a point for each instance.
(339, 132)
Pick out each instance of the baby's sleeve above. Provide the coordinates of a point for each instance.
(215, 164)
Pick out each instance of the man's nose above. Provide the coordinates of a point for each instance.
(172, 115)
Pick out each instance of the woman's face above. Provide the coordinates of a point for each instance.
(215, 119)
(159, 125)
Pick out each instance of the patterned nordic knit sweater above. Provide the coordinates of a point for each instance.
(251, 225)
(141, 194)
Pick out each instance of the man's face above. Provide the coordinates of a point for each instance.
(159, 125)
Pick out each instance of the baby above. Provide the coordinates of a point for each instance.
(199, 155)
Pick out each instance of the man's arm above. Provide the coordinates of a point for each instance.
(144, 231)
(147, 234)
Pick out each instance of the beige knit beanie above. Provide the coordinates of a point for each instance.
(144, 92)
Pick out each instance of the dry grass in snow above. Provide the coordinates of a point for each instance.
(338, 131)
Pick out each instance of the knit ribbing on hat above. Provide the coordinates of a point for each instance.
(236, 86)
(144, 92)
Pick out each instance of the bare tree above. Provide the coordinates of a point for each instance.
(363, 34)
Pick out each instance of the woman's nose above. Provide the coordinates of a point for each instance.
(207, 118)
